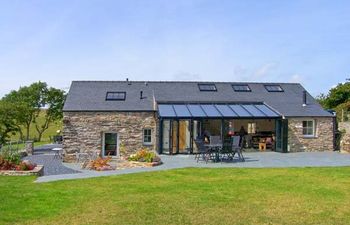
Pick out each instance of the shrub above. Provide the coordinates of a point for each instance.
(144, 155)
(100, 164)
(11, 155)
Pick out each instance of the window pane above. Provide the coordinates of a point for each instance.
(115, 96)
(207, 87)
(273, 88)
(147, 137)
(241, 87)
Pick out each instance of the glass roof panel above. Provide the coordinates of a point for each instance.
(254, 111)
(166, 111)
(196, 111)
(211, 111)
(226, 111)
(267, 111)
(181, 111)
(240, 111)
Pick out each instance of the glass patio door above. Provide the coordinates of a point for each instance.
(110, 147)
(282, 135)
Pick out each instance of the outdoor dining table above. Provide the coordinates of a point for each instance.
(214, 148)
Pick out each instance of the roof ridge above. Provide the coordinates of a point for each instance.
(165, 81)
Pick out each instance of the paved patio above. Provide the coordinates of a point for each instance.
(43, 155)
(253, 160)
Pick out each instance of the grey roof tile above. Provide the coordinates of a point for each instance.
(90, 96)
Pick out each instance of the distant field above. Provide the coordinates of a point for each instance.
(51, 131)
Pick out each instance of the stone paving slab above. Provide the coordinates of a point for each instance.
(253, 160)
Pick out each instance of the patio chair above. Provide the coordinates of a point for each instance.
(237, 148)
(203, 152)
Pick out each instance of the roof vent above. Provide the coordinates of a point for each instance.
(127, 80)
(141, 94)
(304, 98)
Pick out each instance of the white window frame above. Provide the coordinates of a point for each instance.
(313, 128)
(143, 136)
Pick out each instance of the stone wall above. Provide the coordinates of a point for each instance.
(83, 131)
(323, 140)
(345, 140)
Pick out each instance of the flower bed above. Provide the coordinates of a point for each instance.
(11, 164)
(37, 171)
(146, 156)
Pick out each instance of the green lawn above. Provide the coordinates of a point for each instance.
(183, 196)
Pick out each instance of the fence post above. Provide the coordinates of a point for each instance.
(29, 147)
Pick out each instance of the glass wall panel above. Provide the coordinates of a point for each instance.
(174, 136)
(184, 136)
(166, 136)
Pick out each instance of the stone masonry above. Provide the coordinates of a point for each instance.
(345, 141)
(323, 140)
(83, 131)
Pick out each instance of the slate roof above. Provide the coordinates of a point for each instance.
(91, 96)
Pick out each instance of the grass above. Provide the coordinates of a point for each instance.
(20, 146)
(183, 196)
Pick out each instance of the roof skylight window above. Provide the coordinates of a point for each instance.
(116, 96)
(207, 87)
(273, 88)
(241, 87)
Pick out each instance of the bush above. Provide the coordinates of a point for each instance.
(13, 156)
(144, 155)
(100, 164)
(8, 165)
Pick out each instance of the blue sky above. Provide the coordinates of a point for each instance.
(279, 41)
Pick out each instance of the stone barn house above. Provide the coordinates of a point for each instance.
(115, 117)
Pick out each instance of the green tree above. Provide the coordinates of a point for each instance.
(33, 100)
(30, 100)
(53, 100)
(336, 96)
(8, 112)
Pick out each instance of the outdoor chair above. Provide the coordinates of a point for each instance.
(237, 148)
(203, 151)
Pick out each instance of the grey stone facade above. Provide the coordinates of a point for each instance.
(322, 141)
(83, 131)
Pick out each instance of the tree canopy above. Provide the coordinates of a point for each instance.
(29, 102)
(336, 96)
